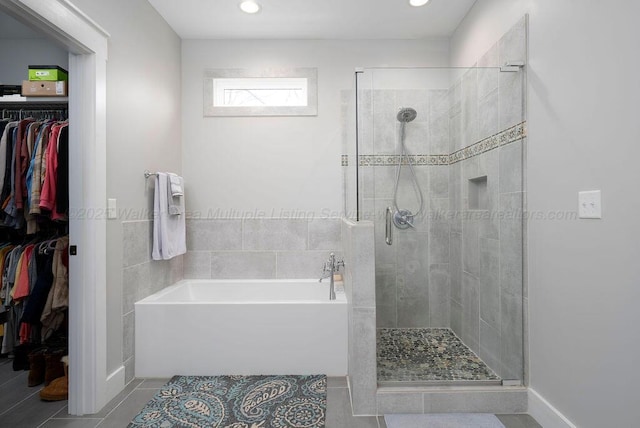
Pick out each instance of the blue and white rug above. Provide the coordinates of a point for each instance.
(237, 402)
(443, 420)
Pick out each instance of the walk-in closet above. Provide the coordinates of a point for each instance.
(34, 226)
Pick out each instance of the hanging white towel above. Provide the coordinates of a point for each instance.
(176, 184)
(169, 231)
(174, 199)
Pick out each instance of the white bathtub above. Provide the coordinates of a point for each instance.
(241, 327)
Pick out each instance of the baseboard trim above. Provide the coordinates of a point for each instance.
(545, 414)
(115, 383)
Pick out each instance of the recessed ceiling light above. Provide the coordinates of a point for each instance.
(250, 6)
(417, 3)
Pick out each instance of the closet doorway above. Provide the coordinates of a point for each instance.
(90, 386)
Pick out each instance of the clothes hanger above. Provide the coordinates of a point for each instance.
(40, 247)
(52, 247)
(45, 246)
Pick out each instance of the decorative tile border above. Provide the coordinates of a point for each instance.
(510, 135)
(391, 160)
(503, 138)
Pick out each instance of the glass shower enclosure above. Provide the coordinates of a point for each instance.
(438, 167)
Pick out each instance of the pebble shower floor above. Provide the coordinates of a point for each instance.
(427, 355)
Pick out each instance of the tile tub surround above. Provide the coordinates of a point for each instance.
(260, 248)
(224, 249)
(141, 277)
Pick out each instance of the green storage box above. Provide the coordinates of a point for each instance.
(47, 72)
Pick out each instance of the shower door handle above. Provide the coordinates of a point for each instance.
(388, 230)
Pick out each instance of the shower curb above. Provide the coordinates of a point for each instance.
(452, 399)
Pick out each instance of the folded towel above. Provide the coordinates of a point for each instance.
(176, 184)
(173, 200)
(169, 231)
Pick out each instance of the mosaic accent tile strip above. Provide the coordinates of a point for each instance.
(515, 133)
(392, 160)
(503, 138)
(427, 354)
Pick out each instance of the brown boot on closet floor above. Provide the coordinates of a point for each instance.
(58, 389)
(53, 366)
(36, 367)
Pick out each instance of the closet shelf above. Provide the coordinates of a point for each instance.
(40, 100)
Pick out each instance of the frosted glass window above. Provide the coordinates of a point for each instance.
(240, 92)
(256, 92)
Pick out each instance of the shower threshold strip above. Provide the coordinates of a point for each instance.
(433, 383)
(430, 357)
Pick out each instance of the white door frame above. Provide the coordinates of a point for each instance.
(90, 386)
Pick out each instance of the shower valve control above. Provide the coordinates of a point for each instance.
(403, 219)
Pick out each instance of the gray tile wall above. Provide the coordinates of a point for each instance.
(359, 281)
(141, 277)
(406, 296)
(260, 248)
(459, 269)
(486, 245)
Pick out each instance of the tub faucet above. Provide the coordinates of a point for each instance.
(330, 267)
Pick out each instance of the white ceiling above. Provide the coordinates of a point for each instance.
(319, 19)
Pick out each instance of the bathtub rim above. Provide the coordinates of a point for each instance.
(153, 299)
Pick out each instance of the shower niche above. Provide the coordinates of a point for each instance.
(478, 198)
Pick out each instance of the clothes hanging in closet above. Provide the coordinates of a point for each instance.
(33, 173)
(34, 294)
(34, 199)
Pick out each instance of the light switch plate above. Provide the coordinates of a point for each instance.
(111, 209)
(590, 204)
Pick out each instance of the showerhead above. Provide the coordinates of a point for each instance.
(406, 114)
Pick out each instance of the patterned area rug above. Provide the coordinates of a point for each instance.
(237, 402)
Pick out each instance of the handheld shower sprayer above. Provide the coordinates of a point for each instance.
(406, 114)
(403, 218)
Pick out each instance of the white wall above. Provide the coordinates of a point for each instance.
(20, 46)
(143, 127)
(275, 166)
(584, 275)
(25, 52)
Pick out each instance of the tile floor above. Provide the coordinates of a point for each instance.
(428, 355)
(21, 407)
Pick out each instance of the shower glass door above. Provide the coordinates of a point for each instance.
(440, 172)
